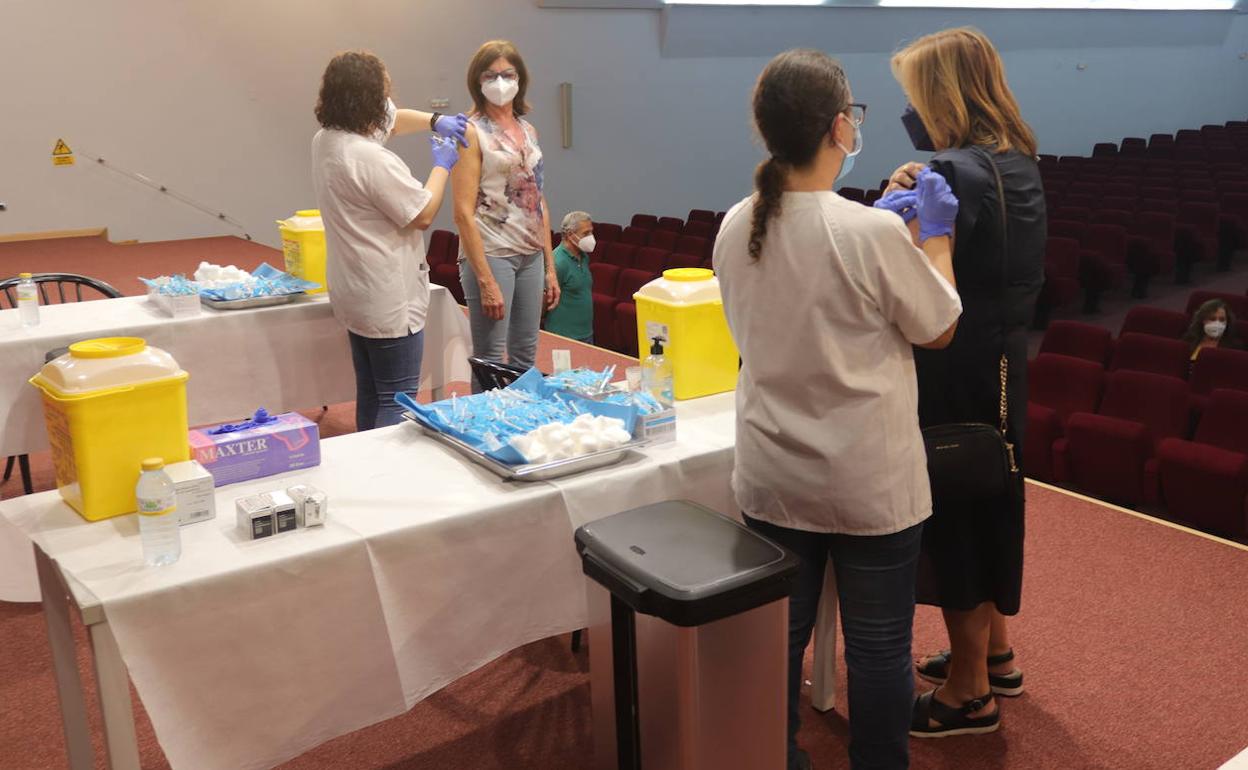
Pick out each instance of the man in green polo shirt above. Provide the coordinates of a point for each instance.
(574, 316)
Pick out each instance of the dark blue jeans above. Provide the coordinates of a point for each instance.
(875, 585)
(384, 367)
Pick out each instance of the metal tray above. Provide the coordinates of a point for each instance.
(538, 472)
(250, 302)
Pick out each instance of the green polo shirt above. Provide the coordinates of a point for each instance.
(574, 317)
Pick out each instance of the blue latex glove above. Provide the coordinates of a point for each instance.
(445, 153)
(937, 205)
(452, 127)
(900, 202)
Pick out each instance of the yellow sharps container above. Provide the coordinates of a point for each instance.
(303, 246)
(685, 307)
(109, 404)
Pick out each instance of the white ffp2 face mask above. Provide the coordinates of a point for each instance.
(501, 91)
(392, 114)
(587, 243)
(1215, 329)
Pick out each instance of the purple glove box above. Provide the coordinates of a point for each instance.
(289, 443)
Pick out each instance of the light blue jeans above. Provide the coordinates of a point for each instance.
(522, 281)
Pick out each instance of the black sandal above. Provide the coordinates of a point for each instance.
(950, 720)
(936, 671)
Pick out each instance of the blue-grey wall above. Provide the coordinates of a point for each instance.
(214, 100)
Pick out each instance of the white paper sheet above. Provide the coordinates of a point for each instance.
(249, 653)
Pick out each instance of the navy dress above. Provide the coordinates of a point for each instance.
(974, 553)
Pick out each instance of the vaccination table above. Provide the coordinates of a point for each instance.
(247, 653)
(287, 357)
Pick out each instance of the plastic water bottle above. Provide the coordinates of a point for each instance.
(656, 374)
(27, 300)
(158, 519)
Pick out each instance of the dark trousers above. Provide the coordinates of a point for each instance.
(875, 585)
(384, 367)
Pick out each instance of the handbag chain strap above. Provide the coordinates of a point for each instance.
(1005, 256)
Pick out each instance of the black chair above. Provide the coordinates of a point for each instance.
(491, 375)
(60, 282)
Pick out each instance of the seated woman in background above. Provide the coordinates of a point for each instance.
(1213, 326)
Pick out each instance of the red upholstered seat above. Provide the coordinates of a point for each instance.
(1204, 482)
(1112, 453)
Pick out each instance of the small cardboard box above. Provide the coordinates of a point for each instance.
(288, 443)
(196, 499)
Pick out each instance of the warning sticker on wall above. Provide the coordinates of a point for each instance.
(61, 154)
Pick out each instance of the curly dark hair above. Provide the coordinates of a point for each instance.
(353, 95)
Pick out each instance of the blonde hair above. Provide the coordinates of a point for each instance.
(956, 82)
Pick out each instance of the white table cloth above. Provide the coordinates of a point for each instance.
(249, 653)
(286, 357)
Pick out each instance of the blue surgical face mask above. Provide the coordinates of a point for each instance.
(848, 165)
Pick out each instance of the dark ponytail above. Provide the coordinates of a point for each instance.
(769, 184)
(796, 100)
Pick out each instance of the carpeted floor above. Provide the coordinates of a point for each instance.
(1130, 636)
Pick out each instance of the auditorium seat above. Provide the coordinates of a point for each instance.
(675, 261)
(700, 247)
(1150, 353)
(604, 321)
(671, 224)
(630, 282)
(626, 328)
(1204, 482)
(1058, 386)
(1112, 453)
(607, 232)
(443, 248)
(1236, 302)
(447, 274)
(1150, 249)
(1197, 239)
(701, 215)
(1080, 340)
(650, 259)
(619, 254)
(635, 236)
(663, 239)
(700, 230)
(644, 221)
(605, 277)
(1217, 368)
(1142, 319)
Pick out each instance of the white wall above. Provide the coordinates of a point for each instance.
(215, 99)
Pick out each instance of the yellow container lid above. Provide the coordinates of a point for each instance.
(682, 286)
(688, 274)
(25, 275)
(103, 364)
(153, 464)
(108, 347)
(303, 219)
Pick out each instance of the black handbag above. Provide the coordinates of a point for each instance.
(969, 461)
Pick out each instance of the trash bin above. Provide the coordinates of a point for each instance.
(690, 670)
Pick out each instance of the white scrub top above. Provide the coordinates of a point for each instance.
(828, 433)
(376, 269)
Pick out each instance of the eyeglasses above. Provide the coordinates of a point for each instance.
(489, 76)
(857, 113)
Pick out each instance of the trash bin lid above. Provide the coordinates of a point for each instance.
(684, 563)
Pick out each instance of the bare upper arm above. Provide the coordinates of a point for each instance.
(466, 176)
